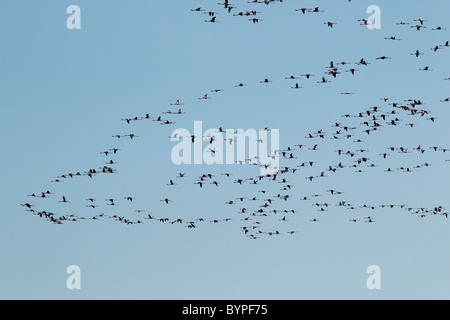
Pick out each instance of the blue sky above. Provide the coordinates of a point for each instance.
(63, 95)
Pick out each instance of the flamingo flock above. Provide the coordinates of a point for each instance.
(277, 197)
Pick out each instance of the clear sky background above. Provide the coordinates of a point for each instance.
(64, 92)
